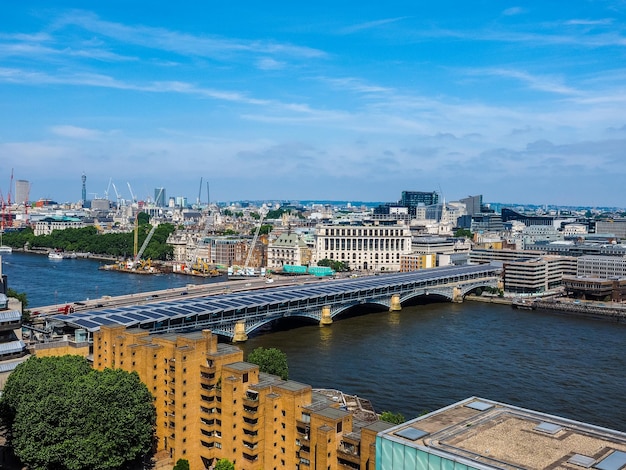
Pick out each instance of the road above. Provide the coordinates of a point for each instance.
(191, 290)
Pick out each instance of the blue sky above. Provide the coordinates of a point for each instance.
(520, 102)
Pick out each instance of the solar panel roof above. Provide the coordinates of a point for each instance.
(188, 307)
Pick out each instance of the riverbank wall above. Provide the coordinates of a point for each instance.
(599, 310)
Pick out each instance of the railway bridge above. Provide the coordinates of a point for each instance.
(236, 315)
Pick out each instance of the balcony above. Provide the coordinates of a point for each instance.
(250, 410)
(349, 455)
(250, 445)
(303, 431)
(250, 421)
(347, 464)
(250, 458)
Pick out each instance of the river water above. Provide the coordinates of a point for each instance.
(420, 359)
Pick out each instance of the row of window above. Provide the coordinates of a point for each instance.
(368, 244)
(364, 232)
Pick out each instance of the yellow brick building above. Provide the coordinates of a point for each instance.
(211, 405)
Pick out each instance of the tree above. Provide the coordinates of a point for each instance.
(143, 218)
(181, 464)
(224, 464)
(264, 230)
(271, 361)
(62, 414)
(390, 417)
(463, 233)
(337, 266)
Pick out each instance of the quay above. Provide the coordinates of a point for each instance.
(600, 310)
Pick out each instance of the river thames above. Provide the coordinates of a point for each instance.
(420, 359)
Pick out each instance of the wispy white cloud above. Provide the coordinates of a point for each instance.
(75, 132)
(181, 43)
(584, 22)
(267, 63)
(353, 84)
(545, 83)
(370, 25)
(514, 11)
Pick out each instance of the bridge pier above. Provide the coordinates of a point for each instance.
(240, 335)
(395, 305)
(326, 319)
(457, 296)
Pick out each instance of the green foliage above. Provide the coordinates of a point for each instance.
(62, 414)
(224, 464)
(463, 233)
(337, 266)
(181, 464)
(271, 361)
(143, 218)
(264, 230)
(89, 240)
(278, 213)
(390, 417)
(227, 212)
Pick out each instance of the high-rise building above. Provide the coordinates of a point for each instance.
(412, 199)
(211, 405)
(159, 197)
(473, 204)
(84, 192)
(22, 191)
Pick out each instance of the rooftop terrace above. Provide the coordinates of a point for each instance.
(486, 434)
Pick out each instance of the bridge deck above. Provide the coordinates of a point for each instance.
(198, 311)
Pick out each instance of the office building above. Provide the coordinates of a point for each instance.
(539, 275)
(603, 267)
(616, 227)
(416, 261)
(22, 192)
(159, 197)
(369, 247)
(412, 199)
(473, 204)
(479, 434)
(212, 405)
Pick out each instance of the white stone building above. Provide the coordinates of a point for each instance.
(368, 247)
(288, 249)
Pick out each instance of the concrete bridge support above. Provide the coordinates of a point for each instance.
(457, 296)
(395, 305)
(240, 335)
(327, 319)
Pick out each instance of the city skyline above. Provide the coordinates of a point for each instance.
(319, 101)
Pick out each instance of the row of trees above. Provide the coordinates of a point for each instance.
(59, 413)
(89, 240)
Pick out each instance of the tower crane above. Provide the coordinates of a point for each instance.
(132, 196)
(117, 196)
(133, 263)
(254, 239)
